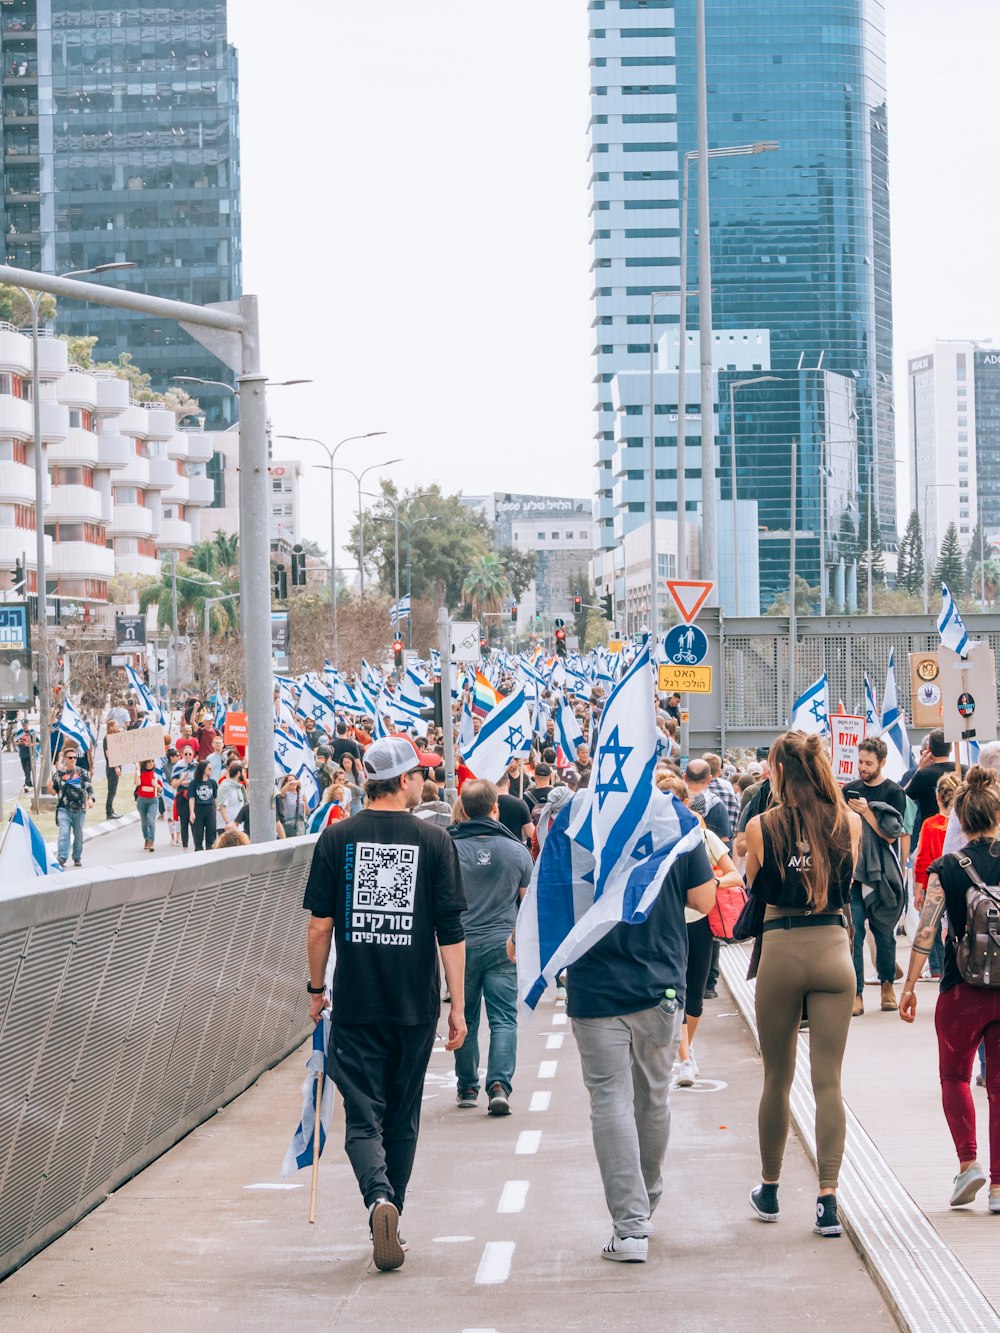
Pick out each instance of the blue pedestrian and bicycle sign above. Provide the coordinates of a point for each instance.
(685, 645)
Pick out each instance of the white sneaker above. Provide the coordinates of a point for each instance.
(686, 1074)
(694, 1060)
(968, 1183)
(627, 1249)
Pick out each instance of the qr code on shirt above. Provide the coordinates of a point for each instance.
(385, 876)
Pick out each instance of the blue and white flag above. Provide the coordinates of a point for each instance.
(610, 822)
(436, 662)
(399, 611)
(220, 714)
(370, 676)
(563, 914)
(811, 712)
(153, 710)
(951, 626)
(893, 726)
(73, 726)
(300, 1150)
(467, 731)
(871, 708)
(504, 735)
(23, 854)
(293, 755)
(314, 703)
(570, 731)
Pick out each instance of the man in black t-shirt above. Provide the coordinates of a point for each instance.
(922, 786)
(389, 888)
(515, 813)
(861, 795)
(344, 744)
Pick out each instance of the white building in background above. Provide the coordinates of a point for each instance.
(284, 500)
(125, 486)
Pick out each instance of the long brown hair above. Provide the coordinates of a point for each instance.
(808, 808)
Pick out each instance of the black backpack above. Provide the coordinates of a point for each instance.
(978, 951)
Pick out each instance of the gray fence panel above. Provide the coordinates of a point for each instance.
(131, 1008)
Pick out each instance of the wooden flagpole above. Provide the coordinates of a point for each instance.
(320, 1080)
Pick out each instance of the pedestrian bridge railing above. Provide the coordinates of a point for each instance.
(133, 1006)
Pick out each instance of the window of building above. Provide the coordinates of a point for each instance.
(964, 529)
(72, 476)
(215, 470)
(962, 391)
(648, 118)
(638, 347)
(276, 485)
(963, 453)
(635, 62)
(649, 148)
(649, 175)
(963, 467)
(539, 536)
(13, 451)
(963, 421)
(636, 507)
(130, 495)
(963, 438)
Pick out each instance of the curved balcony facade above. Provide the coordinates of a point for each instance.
(16, 418)
(177, 447)
(79, 446)
(178, 492)
(134, 473)
(18, 542)
(53, 419)
(131, 521)
(134, 421)
(161, 423)
(115, 450)
(81, 560)
(17, 483)
(201, 490)
(111, 395)
(162, 473)
(15, 351)
(77, 389)
(52, 358)
(174, 534)
(199, 446)
(74, 502)
(144, 566)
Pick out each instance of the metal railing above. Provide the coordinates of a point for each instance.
(133, 1006)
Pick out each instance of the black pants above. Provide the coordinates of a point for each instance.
(380, 1074)
(184, 819)
(203, 827)
(700, 954)
(109, 804)
(713, 972)
(25, 765)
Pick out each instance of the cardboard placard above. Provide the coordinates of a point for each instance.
(925, 689)
(132, 747)
(235, 730)
(846, 733)
(968, 694)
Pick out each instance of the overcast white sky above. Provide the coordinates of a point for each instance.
(415, 224)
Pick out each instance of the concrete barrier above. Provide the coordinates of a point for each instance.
(131, 1008)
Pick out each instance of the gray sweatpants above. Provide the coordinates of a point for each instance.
(626, 1068)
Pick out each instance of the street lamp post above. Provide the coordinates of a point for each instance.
(425, 518)
(359, 477)
(930, 486)
(733, 387)
(331, 453)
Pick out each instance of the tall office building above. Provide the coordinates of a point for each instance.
(121, 142)
(799, 237)
(953, 389)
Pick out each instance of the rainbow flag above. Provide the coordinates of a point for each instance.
(484, 696)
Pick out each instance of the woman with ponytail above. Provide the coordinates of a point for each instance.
(800, 861)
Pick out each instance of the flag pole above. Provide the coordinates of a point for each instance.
(320, 1077)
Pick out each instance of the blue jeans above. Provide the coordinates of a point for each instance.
(147, 807)
(489, 976)
(70, 822)
(885, 944)
(936, 958)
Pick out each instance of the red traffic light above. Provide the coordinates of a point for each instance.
(577, 604)
(397, 647)
(560, 634)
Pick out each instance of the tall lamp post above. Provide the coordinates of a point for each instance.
(359, 478)
(734, 387)
(41, 572)
(331, 453)
(394, 504)
(408, 528)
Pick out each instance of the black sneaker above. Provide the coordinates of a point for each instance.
(711, 995)
(467, 1097)
(499, 1101)
(764, 1202)
(827, 1221)
(383, 1221)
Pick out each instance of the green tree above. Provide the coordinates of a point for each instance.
(806, 600)
(988, 573)
(950, 567)
(910, 573)
(872, 548)
(313, 548)
(973, 557)
(80, 352)
(16, 309)
(445, 535)
(486, 586)
(519, 566)
(194, 587)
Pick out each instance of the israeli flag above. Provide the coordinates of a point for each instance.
(300, 1150)
(73, 726)
(504, 735)
(569, 729)
(565, 912)
(319, 706)
(370, 676)
(467, 731)
(811, 712)
(293, 755)
(951, 626)
(435, 662)
(143, 697)
(871, 708)
(399, 611)
(23, 854)
(893, 726)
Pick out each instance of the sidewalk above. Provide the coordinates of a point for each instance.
(505, 1222)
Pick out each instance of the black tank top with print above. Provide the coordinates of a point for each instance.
(783, 886)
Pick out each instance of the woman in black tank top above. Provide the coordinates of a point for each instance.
(800, 859)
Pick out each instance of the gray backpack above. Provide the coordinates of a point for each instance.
(978, 951)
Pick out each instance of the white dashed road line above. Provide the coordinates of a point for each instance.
(494, 1266)
(513, 1196)
(554, 1041)
(528, 1142)
(558, 1020)
(540, 1101)
(547, 1069)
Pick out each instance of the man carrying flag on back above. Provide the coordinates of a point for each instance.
(619, 863)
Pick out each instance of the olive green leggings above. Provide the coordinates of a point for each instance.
(811, 964)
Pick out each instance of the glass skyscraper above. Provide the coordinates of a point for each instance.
(121, 142)
(800, 240)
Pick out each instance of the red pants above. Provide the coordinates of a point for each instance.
(965, 1016)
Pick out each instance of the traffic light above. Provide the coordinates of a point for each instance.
(577, 604)
(513, 615)
(397, 654)
(608, 607)
(435, 713)
(483, 644)
(279, 582)
(298, 566)
(560, 643)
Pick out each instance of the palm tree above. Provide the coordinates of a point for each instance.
(486, 585)
(227, 553)
(194, 587)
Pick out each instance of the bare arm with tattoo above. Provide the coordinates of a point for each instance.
(930, 919)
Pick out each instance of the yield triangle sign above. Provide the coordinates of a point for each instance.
(689, 596)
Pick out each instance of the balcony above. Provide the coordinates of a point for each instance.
(76, 503)
(145, 566)
(201, 490)
(52, 362)
(162, 474)
(178, 492)
(162, 423)
(175, 535)
(15, 418)
(54, 418)
(16, 543)
(79, 446)
(115, 450)
(131, 521)
(15, 351)
(134, 421)
(77, 389)
(200, 448)
(81, 560)
(134, 473)
(177, 447)
(111, 394)
(17, 483)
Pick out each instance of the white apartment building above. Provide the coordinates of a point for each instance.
(125, 486)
